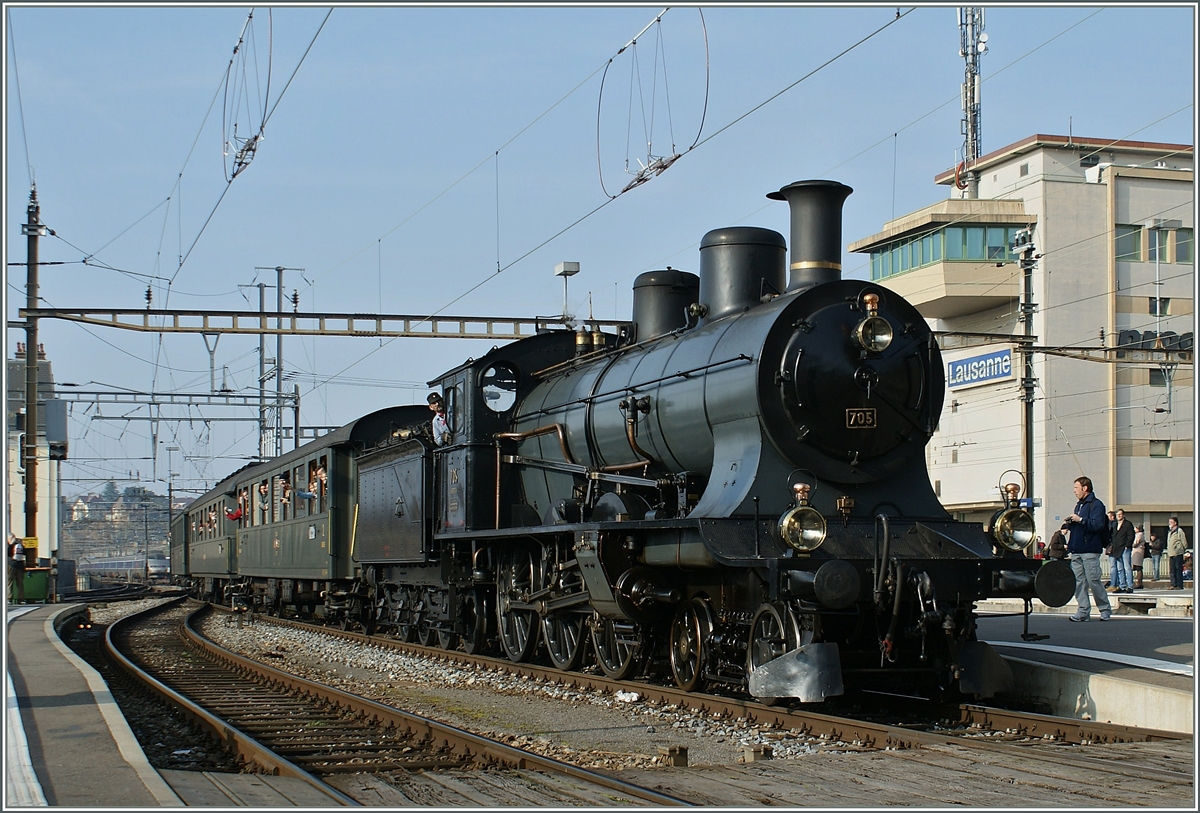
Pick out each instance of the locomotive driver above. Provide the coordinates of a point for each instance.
(441, 428)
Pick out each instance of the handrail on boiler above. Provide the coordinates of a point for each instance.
(556, 428)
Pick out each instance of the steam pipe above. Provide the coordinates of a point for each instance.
(881, 563)
(519, 436)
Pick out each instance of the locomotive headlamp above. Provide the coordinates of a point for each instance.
(873, 334)
(1013, 527)
(802, 526)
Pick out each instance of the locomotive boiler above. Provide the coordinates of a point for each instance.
(731, 490)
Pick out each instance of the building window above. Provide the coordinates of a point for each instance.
(1158, 378)
(997, 244)
(1183, 245)
(1160, 306)
(955, 241)
(1160, 448)
(975, 241)
(1129, 244)
(954, 455)
(1024, 170)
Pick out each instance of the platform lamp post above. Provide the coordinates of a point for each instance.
(1158, 227)
(566, 270)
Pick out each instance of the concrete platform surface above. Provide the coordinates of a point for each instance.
(79, 750)
(1133, 669)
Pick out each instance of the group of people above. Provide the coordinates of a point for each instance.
(1083, 536)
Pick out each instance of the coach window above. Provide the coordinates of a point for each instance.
(322, 484)
(285, 496)
(299, 486)
(262, 502)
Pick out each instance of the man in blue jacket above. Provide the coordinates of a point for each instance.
(1084, 547)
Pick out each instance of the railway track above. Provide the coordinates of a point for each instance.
(284, 725)
(974, 726)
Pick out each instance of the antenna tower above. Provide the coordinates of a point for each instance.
(973, 45)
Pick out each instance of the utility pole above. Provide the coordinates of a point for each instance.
(32, 229)
(1023, 245)
(263, 452)
(277, 423)
(973, 45)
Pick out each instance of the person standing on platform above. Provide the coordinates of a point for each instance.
(1086, 524)
(16, 570)
(1176, 546)
(1156, 547)
(1122, 554)
(1138, 557)
(1111, 582)
(1057, 549)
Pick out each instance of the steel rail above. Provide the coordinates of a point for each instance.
(472, 744)
(811, 723)
(249, 749)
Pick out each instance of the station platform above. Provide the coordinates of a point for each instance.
(1135, 669)
(67, 743)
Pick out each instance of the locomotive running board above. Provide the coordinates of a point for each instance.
(811, 673)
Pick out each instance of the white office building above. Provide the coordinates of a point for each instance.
(1112, 229)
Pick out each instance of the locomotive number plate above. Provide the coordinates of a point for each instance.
(860, 418)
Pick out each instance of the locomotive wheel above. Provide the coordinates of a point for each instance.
(406, 631)
(405, 606)
(566, 639)
(447, 640)
(689, 633)
(473, 612)
(771, 635)
(617, 646)
(566, 632)
(515, 578)
(427, 634)
(435, 602)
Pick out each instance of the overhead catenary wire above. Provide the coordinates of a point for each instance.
(12, 40)
(609, 200)
(498, 252)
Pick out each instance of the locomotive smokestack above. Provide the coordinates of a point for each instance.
(816, 240)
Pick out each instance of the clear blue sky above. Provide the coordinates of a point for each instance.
(379, 173)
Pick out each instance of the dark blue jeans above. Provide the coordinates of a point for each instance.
(1176, 563)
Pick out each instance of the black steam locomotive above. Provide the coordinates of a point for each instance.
(731, 490)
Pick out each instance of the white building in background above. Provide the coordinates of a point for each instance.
(1113, 229)
(52, 420)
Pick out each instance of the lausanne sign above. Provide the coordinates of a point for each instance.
(979, 369)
